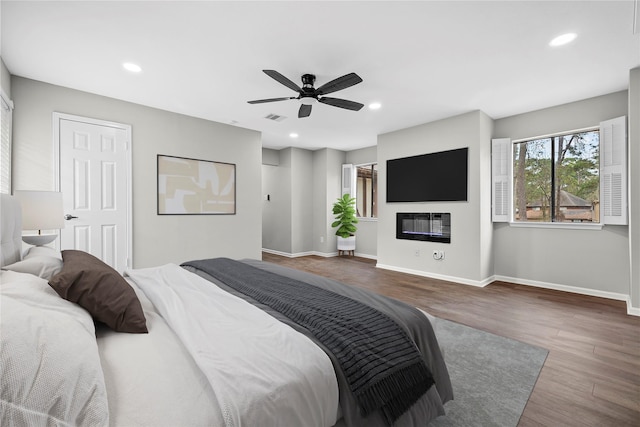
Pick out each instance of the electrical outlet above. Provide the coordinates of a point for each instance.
(438, 255)
(321, 239)
(417, 252)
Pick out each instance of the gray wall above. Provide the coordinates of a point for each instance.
(156, 239)
(303, 185)
(327, 171)
(634, 188)
(5, 79)
(367, 235)
(301, 200)
(468, 256)
(482, 184)
(320, 212)
(363, 156)
(276, 213)
(333, 178)
(590, 259)
(270, 157)
(298, 221)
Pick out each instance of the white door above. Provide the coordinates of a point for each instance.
(94, 161)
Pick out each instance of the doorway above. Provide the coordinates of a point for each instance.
(93, 158)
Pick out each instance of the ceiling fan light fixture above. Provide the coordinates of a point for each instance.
(308, 100)
(130, 66)
(563, 39)
(375, 106)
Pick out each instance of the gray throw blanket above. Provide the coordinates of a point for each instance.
(383, 366)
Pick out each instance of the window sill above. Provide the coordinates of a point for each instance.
(367, 219)
(557, 225)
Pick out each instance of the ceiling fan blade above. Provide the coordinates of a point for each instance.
(304, 111)
(342, 103)
(282, 80)
(260, 101)
(340, 83)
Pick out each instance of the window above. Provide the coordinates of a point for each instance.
(367, 191)
(574, 179)
(6, 107)
(557, 179)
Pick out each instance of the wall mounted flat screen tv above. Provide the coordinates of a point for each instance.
(433, 177)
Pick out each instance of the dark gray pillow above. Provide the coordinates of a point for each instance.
(99, 289)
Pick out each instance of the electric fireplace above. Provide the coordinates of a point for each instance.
(426, 226)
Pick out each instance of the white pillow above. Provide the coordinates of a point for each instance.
(42, 251)
(41, 261)
(41, 266)
(51, 372)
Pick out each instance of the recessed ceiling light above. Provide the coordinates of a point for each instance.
(293, 135)
(563, 39)
(130, 66)
(375, 106)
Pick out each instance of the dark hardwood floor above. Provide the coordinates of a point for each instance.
(592, 374)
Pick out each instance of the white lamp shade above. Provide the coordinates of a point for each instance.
(41, 210)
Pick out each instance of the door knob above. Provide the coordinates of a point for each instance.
(68, 217)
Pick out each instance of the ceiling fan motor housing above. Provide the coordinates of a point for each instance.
(307, 95)
(308, 80)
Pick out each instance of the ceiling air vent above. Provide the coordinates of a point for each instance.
(274, 117)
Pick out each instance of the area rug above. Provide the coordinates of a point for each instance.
(492, 376)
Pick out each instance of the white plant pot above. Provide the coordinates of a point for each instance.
(346, 244)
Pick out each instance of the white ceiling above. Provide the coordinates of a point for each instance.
(423, 60)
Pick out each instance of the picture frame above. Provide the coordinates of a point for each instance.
(195, 187)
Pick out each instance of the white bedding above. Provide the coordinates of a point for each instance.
(261, 372)
(49, 364)
(151, 379)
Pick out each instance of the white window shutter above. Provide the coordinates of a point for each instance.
(501, 179)
(6, 107)
(613, 171)
(349, 180)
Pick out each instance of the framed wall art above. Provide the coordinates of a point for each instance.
(195, 187)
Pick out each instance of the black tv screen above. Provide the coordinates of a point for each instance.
(433, 177)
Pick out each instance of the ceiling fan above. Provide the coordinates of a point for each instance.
(308, 95)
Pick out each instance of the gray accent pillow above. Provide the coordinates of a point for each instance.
(100, 290)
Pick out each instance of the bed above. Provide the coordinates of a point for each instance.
(205, 344)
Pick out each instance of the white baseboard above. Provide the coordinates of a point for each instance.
(316, 253)
(287, 254)
(564, 288)
(633, 311)
(455, 279)
(373, 257)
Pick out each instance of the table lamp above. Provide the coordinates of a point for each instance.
(41, 210)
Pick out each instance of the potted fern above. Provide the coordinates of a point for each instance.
(345, 219)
